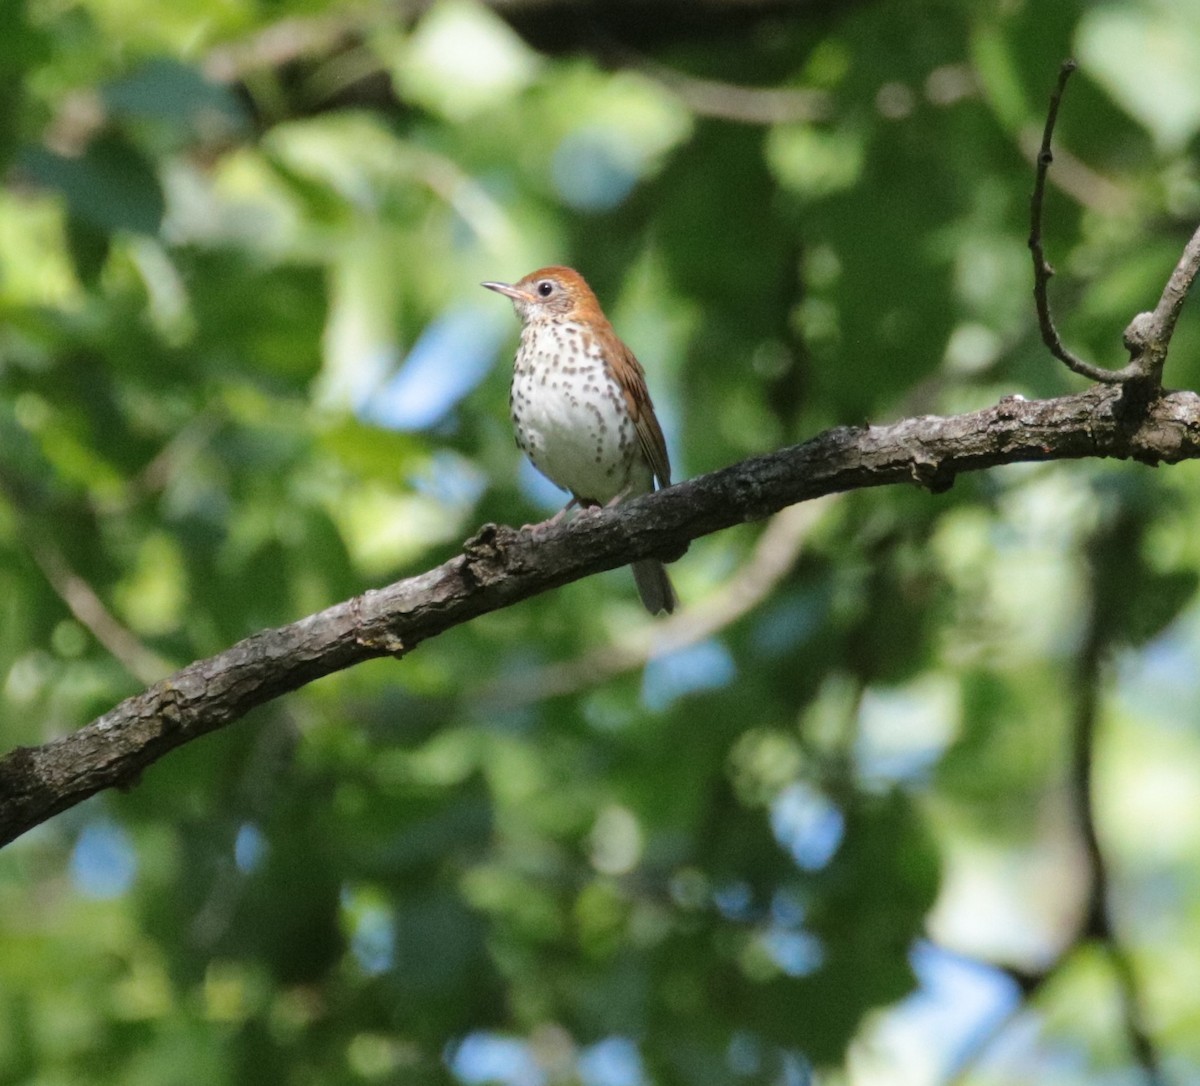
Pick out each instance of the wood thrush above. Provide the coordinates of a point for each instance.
(580, 406)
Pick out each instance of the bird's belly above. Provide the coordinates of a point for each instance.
(571, 423)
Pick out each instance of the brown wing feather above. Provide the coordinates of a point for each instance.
(632, 379)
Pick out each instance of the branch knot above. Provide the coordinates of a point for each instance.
(483, 557)
(1139, 334)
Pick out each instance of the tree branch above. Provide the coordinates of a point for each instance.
(500, 566)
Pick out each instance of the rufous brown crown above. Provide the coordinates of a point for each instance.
(553, 293)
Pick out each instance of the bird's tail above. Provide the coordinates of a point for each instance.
(654, 586)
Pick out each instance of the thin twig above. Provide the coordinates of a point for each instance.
(80, 598)
(257, 792)
(1097, 920)
(1075, 178)
(1042, 271)
(1129, 990)
(277, 45)
(1166, 313)
(176, 456)
(1149, 334)
(721, 100)
(1030, 984)
(88, 608)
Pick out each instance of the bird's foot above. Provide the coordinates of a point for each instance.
(543, 526)
(591, 509)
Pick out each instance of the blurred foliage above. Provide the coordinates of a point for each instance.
(246, 371)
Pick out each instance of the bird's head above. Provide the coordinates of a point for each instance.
(553, 293)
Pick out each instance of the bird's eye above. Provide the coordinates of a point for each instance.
(545, 288)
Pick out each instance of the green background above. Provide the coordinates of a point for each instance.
(246, 371)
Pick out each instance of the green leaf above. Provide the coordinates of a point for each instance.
(111, 186)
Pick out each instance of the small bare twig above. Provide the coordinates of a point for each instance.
(89, 611)
(1077, 179)
(1097, 922)
(962, 1069)
(1149, 334)
(1129, 990)
(1166, 313)
(725, 101)
(79, 597)
(1042, 271)
(281, 43)
(176, 456)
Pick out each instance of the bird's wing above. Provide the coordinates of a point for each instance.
(632, 379)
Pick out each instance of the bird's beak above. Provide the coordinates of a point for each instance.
(509, 292)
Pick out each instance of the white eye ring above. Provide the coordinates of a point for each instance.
(545, 288)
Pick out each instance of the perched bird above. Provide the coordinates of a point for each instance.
(580, 406)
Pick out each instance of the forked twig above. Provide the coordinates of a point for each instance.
(1042, 271)
(1148, 336)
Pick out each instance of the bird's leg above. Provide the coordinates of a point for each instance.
(564, 510)
(590, 509)
(549, 522)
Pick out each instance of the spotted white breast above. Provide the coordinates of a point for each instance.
(570, 415)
